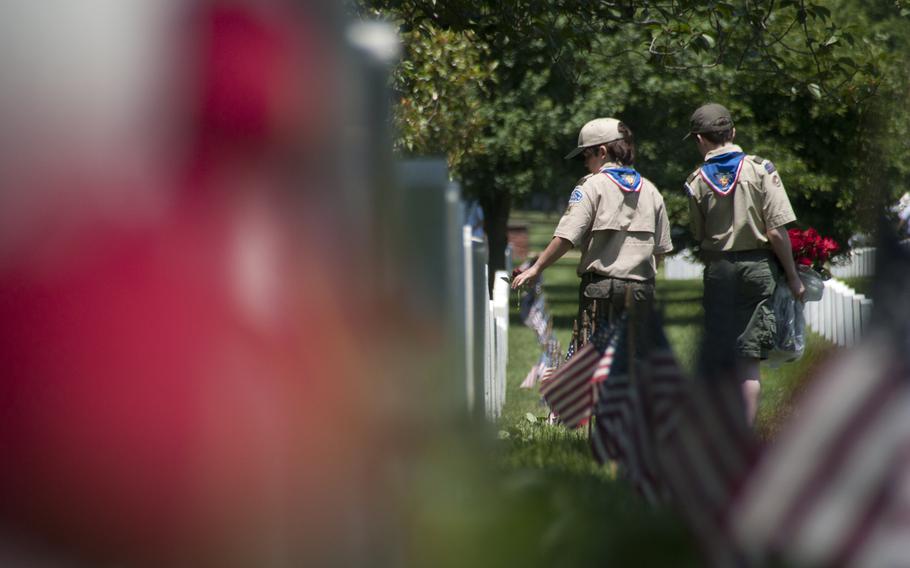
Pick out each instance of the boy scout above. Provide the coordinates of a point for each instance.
(615, 217)
(738, 208)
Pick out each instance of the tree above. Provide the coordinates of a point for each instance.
(810, 86)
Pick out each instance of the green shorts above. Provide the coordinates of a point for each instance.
(737, 301)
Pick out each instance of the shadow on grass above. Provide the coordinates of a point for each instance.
(548, 517)
(680, 299)
(682, 321)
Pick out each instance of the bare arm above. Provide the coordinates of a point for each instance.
(554, 251)
(780, 243)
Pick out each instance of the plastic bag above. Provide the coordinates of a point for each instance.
(814, 283)
(790, 339)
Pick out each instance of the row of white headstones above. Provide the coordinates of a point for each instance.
(486, 341)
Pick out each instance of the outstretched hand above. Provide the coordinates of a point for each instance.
(526, 277)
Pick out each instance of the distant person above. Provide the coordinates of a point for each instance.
(738, 210)
(615, 217)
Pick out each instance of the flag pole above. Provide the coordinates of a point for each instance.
(595, 390)
(593, 317)
(630, 309)
(585, 327)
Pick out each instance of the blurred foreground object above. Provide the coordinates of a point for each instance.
(833, 488)
(184, 369)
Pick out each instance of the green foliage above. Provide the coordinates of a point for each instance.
(503, 88)
(443, 80)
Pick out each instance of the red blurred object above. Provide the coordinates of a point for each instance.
(262, 81)
(160, 373)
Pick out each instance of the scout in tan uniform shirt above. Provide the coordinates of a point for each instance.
(615, 217)
(738, 208)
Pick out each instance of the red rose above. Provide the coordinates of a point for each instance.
(805, 261)
(830, 246)
(797, 242)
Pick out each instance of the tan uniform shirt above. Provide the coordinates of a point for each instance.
(739, 220)
(617, 232)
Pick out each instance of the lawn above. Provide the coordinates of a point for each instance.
(861, 284)
(559, 461)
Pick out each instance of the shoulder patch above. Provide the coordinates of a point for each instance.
(690, 181)
(576, 196)
(769, 167)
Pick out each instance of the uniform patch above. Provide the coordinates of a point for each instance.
(776, 179)
(576, 196)
(627, 179)
(769, 167)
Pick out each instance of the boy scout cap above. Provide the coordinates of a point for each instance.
(595, 132)
(710, 117)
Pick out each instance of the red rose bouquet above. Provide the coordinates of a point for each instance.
(812, 250)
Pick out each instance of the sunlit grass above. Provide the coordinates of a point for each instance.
(861, 284)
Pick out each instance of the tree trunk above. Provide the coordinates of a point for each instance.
(496, 207)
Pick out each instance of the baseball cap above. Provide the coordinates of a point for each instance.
(595, 132)
(711, 117)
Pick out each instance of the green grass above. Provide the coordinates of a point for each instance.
(552, 467)
(862, 284)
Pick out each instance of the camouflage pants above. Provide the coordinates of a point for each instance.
(607, 298)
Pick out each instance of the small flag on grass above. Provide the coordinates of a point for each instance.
(570, 390)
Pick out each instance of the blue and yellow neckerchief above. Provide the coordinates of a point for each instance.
(627, 179)
(722, 172)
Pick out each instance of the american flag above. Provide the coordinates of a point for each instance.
(532, 311)
(833, 487)
(538, 319)
(570, 391)
(602, 372)
(633, 412)
(530, 297)
(704, 451)
(547, 374)
(570, 352)
(540, 369)
(533, 375)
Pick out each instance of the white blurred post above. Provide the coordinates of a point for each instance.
(501, 292)
(468, 244)
(849, 317)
